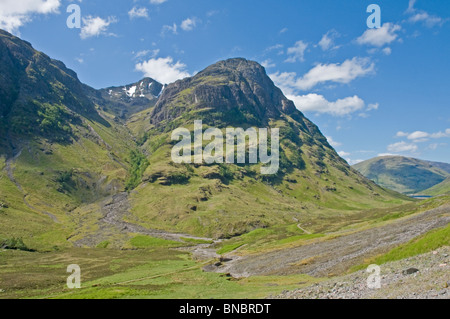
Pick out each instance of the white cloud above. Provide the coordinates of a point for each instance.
(429, 20)
(14, 13)
(318, 103)
(420, 136)
(380, 37)
(327, 41)
(95, 26)
(343, 154)
(321, 73)
(417, 135)
(411, 6)
(168, 28)
(188, 24)
(163, 70)
(422, 16)
(157, 1)
(374, 106)
(387, 51)
(145, 53)
(136, 12)
(274, 47)
(297, 52)
(333, 142)
(354, 162)
(401, 147)
(268, 63)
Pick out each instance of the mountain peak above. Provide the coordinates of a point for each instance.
(129, 99)
(230, 90)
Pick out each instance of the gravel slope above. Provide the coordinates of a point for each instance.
(334, 257)
(432, 281)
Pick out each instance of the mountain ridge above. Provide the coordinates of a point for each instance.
(403, 174)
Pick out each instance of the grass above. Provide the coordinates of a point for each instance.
(439, 189)
(156, 273)
(229, 248)
(150, 242)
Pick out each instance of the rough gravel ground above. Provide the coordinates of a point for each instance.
(332, 257)
(432, 281)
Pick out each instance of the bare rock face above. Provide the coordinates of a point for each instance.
(235, 90)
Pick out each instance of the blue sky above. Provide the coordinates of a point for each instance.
(371, 92)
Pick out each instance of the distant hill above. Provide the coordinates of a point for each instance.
(402, 174)
(439, 189)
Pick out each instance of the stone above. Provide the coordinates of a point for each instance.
(410, 271)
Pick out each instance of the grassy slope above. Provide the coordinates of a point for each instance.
(439, 189)
(207, 204)
(404, 175)
(92, 171)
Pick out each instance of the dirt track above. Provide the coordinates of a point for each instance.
(335, 256)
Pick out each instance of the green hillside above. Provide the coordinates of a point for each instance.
(439, 189)
(402, 174)
(58, 151)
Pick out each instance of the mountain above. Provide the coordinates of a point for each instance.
(85, 167)
(403, 174)
(58, 150)
(225, 200)
(38, 95)
(124, 101)
(235, 91)
(439, 189)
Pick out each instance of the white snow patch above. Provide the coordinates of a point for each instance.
(131, 91)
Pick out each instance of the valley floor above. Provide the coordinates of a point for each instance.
(329, 265)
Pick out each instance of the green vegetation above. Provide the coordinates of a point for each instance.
(14, 244)
(138, 165)
(155, 273)
(439, 189)
(103, 244)
(151, 242)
